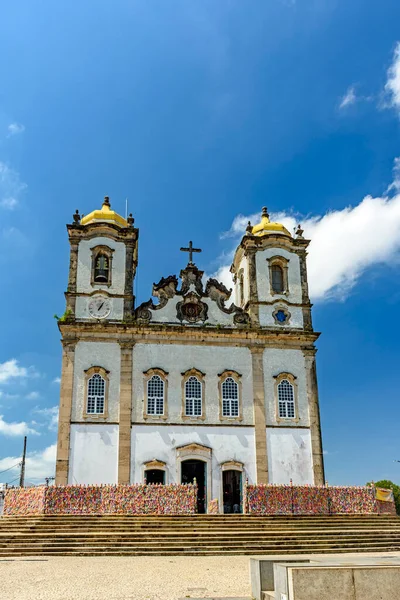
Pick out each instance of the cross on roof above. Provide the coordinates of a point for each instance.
(190, 250)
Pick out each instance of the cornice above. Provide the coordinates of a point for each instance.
(178, 334)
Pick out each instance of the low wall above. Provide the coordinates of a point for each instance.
(309, 500)
(24, 501)
(137, 499)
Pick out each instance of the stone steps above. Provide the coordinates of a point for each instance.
(121, 535)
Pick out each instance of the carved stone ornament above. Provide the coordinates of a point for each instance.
(191, 275)
(219, 293)
(155, 464)
(192, 309)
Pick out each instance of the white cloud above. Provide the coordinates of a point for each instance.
(11, 187)
(9, 203)
(51, 416)
(32, 396)
(11, 370)
(15, 129)
(344, 243)
(392, 87)
(39, 465)
(15, 429)
(349, 98)
(56, 380)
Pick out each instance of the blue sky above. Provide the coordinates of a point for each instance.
(200, 112)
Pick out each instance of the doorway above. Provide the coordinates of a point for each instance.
(232, 489)
(191, 469)
(155, 476)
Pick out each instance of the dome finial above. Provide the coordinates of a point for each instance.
(265, 212)
(107, 201)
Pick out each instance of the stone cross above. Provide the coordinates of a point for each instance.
(190, 250)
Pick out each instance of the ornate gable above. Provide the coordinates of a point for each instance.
(191, 304)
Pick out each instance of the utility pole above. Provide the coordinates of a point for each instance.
(22, 476)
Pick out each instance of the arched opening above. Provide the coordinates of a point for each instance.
(155, 476)
(102, 268)
(191, 469)
(232, 491)
(277, 279)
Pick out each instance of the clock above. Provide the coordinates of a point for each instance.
(99, 307)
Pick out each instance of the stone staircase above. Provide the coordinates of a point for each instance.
(196, 535)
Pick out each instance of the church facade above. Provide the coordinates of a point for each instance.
(199, 381)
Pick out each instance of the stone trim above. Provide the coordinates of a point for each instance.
(201, 378)
(259, 415)
(88, 374)
(237, 378)
(207, 335)
(315, 422)
(125, 414)
(160, 465)
(307, 318)
(292, 379)
(232, 465)
(147, 376)
(64, 419)
(253, 292)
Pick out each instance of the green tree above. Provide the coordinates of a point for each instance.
(389, 485)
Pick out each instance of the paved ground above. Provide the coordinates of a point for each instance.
(124, 578)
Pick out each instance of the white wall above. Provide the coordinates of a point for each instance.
(215, 316)
(227, 443)
(85, 266)
(82, 312)
(176, 359)
(278, 361)
(289, 455)
(93, 454)
(263, 284)
(96, 354)
(267, 318)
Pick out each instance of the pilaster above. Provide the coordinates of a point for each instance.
(259, 415)
(64, 418)
(125, 414)
(305, 299)
(253, 292)
(315, 423)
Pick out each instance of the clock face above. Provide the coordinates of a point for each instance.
(99, 307)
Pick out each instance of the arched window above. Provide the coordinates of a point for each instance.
(193, 397)
(101, 265)
(277, 279)
(96, 395)
(155, 395)
(286, 399)
(102, 268)
(230, 398)
(278, 274)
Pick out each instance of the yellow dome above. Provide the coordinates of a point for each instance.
(265, 226)
(105, 214)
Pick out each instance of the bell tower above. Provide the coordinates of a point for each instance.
(270, 275)
(103, 261)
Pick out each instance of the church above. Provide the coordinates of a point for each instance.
(197, 382)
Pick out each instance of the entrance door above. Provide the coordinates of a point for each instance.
(155, 476)
(232, 486)
(191, 469)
